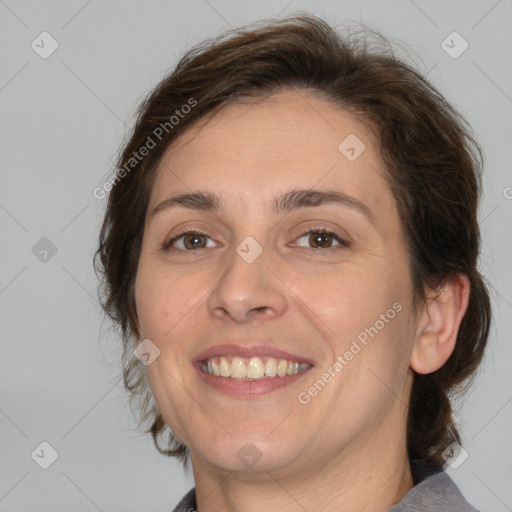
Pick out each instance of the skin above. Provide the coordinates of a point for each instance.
(346, 448)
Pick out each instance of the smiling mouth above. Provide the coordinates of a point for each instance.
(254, 368)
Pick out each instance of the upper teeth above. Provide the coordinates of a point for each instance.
(252, 368)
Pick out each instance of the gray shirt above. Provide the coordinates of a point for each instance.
(437, 493)
(434, 491)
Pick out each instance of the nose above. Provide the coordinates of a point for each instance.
(248, 291)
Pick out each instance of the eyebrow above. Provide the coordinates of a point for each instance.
(292, 200)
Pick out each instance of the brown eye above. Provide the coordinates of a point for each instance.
(321, 240)
(194, 241)
(189, 241)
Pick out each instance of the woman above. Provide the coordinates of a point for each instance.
(290, 250)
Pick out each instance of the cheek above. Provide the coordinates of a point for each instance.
(350, 299)
(363, 309)
(164, 297)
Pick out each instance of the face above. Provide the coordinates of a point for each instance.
(278, 290)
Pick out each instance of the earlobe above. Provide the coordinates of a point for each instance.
(439, 324)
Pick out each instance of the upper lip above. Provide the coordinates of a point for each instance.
(248, 352)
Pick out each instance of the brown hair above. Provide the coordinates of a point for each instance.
(433, 168)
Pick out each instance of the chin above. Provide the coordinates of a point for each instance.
(245, 456)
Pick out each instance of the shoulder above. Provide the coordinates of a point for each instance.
(437, 493)
(187, 503)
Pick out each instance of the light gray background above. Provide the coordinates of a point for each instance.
(63, 119)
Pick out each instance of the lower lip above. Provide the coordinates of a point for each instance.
(248, 388)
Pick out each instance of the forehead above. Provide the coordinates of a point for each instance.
(259, 148)
(289, 122)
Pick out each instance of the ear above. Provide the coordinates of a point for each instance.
(438, 325)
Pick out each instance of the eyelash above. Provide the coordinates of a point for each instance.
(167, 246)
(323, 231)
